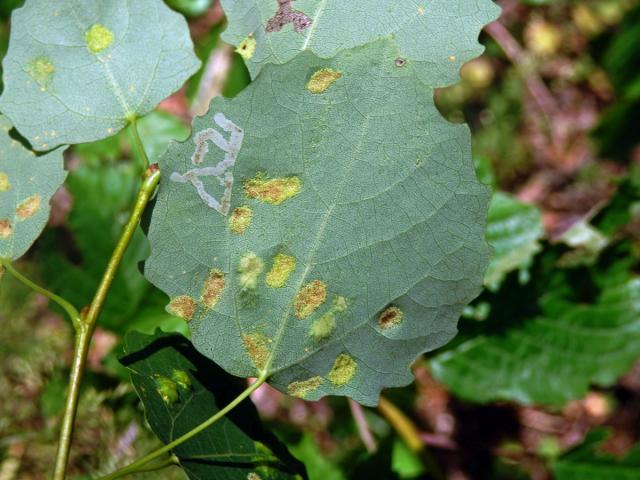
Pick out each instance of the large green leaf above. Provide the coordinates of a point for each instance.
(180, 389)
(356, 231)
(514, 230)
(436, 36)
(80, 70)
(27, 183)
(585, 462)
(551, 359)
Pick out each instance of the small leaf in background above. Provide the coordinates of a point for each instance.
(514, 230)
(318, 466)
(27, 183)
(549, 360)
(585, 462)
(94, 68)
(366, 235)
(169, 375)
(436, 37)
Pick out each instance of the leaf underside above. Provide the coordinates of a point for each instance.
(27, 184)
(436, 36)
(180, 389)
(551, 359)
(78, 71)
(373, 200)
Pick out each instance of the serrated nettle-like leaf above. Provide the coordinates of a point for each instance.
(27, 183)
(179, 389)
(79, 71)
(355, 234)
(549, 360)
(436, 36)
(514, 230)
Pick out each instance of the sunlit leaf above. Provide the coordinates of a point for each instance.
(27, 183)
(80, 71)
(355, 231)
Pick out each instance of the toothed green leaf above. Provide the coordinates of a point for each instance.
(27, 184)
(80, 71)
(355, 234)
(435, 36)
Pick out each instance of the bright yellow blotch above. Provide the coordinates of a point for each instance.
(303, 388)
(321, 80)
(283, 266)
(29, 207)
(324, 326)
(182, 379)
(167, 389)
(273, 191)
(98, 38)
(343, 370)
(250, 268)
(240, 220)
(183, 306)
(247, 48)
(309, 298)
(5, 229)
(4, 182)
(41, 70)
(390, 318)
(213, 286)
(257, 346)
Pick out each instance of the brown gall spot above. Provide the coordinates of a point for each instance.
(213, 286)
(183, 306)
(400, 62)
(257, 347)
(5, 229)
(273, 191)
(303, 388)
(285, 15)
(29, 207)
(240, 220)
(390, 318)
(309, 298)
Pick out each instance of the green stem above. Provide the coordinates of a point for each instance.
(138, 142)
(136, 467)
(87, 322)
(66, 306)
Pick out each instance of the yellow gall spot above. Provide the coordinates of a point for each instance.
(324, 326)
(29, 207)
(250, 268)
(5, 229)
(257, 346)
(303, 388)
(4, 182)
(247, 48)
(343, 370)
(321, 80)
(283, 266)
(452, 58)
(240, 220)
(41, 70)
(422, 9)
(182, 379)
(167, 390)
(253, 476)
(309, 298)
(213, 286)
(98, 38)
(273, 191)
(390, 318)
(183, 306)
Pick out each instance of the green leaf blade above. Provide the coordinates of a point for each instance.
(27, 184)
(81, 71)
(181, 389)
(436, 36)
(389, 213)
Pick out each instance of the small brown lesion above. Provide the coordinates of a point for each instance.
(285, 15)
